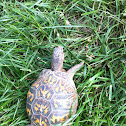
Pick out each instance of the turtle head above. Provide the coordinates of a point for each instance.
(57, 59)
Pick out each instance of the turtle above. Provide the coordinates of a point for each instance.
(53, 97)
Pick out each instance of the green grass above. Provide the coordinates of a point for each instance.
(90, 31)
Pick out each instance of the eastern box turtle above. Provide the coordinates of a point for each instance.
(52, 98)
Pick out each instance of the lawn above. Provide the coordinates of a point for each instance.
(90, 31)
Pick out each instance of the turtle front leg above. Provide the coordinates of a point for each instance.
(74, 69)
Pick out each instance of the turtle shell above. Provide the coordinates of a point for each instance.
(52, 99)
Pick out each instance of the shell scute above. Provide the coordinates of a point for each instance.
(40, 120)
(36, 84)
(63, 75)
(29, 110)
(63, 87)
(62, 102)
(41, 107)
(31, 95)
(57, 117)
(45, 91)
(50, 79)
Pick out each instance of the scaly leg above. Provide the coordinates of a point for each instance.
(74, 69)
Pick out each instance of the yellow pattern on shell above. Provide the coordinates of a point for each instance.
(44, 92)
(28, 111)
(30, 95)
(48, 95)
(45, 111)
(44, 106)
(36, 84)
(59, 119)
(49, 79)
(43, 123)
(37, 121)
